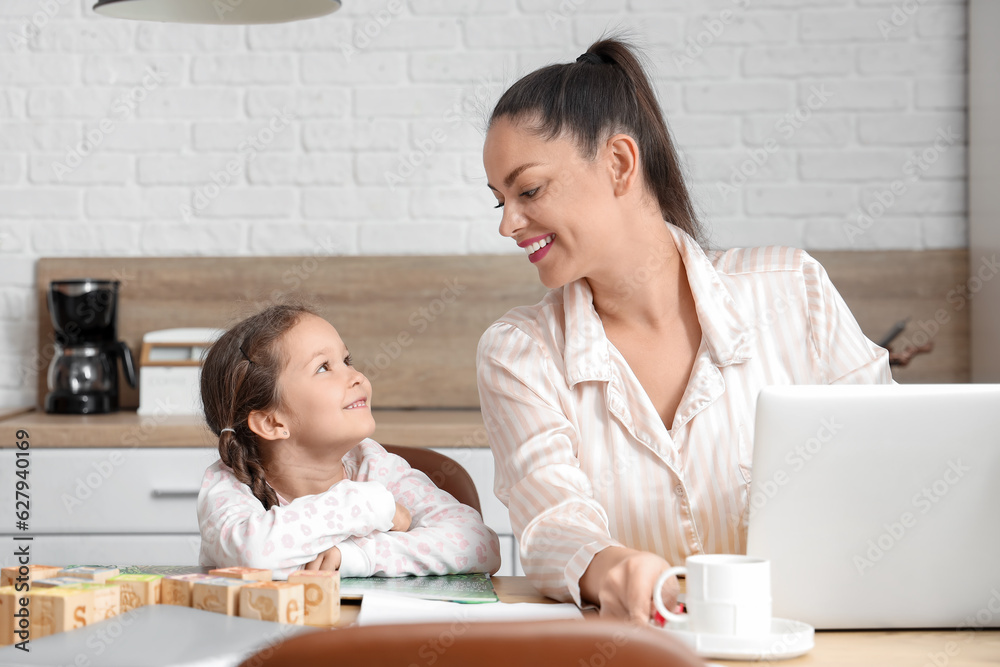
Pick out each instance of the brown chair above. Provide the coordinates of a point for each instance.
(458, 644)
(446, 473)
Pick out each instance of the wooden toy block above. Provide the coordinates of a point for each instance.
(244, 573)
(177, 588)
(107, 599)
(138, 590)
(217, 594)
(322, 595)
(278, 601)
(9, 575)
(10, 602)
(96, 573)
(56, 610)
(59, 581)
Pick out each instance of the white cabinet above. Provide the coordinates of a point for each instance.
(109, 506)
(96, 549)
(137, 506)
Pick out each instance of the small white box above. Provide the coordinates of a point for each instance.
(170, 370)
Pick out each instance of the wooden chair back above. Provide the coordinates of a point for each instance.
(521, 643)
(446, 473)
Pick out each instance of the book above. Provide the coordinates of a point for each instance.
(467, 588)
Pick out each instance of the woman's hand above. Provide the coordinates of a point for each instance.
(327, 560)
(402, 519)
(621, 580)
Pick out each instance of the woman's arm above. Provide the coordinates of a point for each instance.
(559, 524)
(444, 537)
(845, 354)
(621, 581)
(237, 530)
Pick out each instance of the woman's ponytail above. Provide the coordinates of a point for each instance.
(604, 92)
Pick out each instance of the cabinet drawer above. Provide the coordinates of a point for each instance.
(110, 490)
(108, 550)
(478, 462)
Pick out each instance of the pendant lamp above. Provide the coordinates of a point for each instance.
(219, 12)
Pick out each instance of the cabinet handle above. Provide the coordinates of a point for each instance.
(174, 493)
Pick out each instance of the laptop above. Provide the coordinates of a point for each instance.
(877, 505)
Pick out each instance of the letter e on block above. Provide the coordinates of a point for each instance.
(277, 601)
(322, 595)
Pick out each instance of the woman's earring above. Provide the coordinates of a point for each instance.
(286, 433)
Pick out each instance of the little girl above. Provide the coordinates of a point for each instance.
(300, 482)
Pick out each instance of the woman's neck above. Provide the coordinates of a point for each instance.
(645, 283)
(294, 472)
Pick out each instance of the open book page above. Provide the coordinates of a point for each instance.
(470, 588)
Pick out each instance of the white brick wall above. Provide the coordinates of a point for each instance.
(792, 117)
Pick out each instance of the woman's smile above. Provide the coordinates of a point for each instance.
(537, 247)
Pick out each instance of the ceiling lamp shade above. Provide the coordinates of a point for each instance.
(218, 12)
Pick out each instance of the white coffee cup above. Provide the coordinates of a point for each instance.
(725, 595)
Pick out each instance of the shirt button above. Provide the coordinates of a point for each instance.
(679, 490)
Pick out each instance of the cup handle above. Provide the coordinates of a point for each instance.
(658, 594)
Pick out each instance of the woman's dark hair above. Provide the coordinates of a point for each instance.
(240, 375)
(603, 93)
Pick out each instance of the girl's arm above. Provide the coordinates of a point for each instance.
(237, 530)
(445, 536)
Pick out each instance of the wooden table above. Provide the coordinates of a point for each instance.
(877, 648)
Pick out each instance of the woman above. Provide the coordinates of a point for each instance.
(621, 407)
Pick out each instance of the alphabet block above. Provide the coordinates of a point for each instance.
(107, 599)
(322, 595)
(8, 575)
(138, 590)
(96, 573)
(177, 588)
(217, 594)
(56, 610)
(59, 581)
(244, 573)
(9, 597)
(278, 601)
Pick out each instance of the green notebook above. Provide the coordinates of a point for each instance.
(469, 588)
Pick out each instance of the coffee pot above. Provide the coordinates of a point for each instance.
(83, 373)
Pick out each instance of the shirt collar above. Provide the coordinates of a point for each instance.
(725, 328)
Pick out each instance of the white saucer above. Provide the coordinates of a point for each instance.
(788, 639)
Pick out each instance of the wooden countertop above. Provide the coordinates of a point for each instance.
(967, 647)
(407, 428)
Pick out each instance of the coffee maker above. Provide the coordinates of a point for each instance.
(83, 374)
